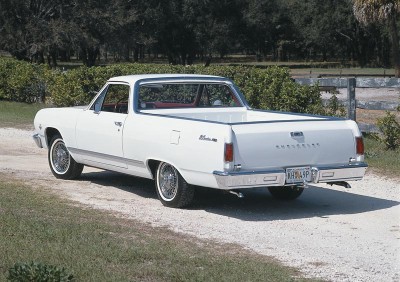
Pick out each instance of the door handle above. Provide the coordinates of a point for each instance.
(118, 123)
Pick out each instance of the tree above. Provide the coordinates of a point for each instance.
(372, 11)
(31, 29)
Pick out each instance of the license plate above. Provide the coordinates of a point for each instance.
(298, 174)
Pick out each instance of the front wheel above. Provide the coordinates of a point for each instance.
(286, 193)
(172, 190)
(61, 163)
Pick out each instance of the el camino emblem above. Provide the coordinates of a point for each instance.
(205, 138)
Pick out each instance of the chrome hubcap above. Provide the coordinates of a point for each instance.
(168, 181)
(60, 157)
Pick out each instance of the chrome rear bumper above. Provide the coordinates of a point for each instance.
(276, 177)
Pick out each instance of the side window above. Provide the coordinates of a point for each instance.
(113, 99)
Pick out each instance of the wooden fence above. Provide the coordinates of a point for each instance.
(351, 84)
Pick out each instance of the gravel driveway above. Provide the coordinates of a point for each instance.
(329, 232)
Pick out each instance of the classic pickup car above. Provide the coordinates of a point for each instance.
(187, 131)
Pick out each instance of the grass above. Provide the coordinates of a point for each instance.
(97, 246)
(382, 161)
(18, 115)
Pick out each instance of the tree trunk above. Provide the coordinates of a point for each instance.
(395, 45)
(136, 54)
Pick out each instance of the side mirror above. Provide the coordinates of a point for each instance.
(97, 108)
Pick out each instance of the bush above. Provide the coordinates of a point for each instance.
(335, 108)
(269, 89)
(38, 272)
(21, 81)
(390, 129)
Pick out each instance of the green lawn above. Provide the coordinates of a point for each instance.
(19, 115)
(97, 246)
(382, 161)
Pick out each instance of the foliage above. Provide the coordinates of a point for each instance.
(21, 81)
(367, 11)
(388, 11)
(183, 31)
(271, 89)
(334, 107)
(38, 272)
(390, 129)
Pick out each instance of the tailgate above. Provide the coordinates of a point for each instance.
(260, 146)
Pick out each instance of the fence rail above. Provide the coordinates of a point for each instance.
(351, 84)
(361, 82)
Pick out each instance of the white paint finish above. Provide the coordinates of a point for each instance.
(271, 145)
(101, 134)
(193, 140)
(174, 137)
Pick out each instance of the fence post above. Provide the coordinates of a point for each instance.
(351, 97)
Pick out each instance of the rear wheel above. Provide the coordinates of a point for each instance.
(172, 190)
(286, 193)
(61, 163)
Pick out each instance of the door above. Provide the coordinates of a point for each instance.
(99, 130)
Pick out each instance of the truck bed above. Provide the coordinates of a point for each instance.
(231, 115)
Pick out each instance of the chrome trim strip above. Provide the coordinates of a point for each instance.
(240, 173)
(107, 157)
(353, 165)
(38, 140)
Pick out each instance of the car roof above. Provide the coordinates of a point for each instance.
(132, 79)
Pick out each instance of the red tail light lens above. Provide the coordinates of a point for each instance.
(228, 152)
(359, 146)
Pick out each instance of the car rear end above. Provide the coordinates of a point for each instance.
(293, 153)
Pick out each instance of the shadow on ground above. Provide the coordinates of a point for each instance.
(257, 204)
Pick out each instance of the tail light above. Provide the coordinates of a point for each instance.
(359, 146)
(228, 156)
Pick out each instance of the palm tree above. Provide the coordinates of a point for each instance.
(371, 11)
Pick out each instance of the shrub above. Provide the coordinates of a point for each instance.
(390, 129)
(38, 272)
(21, 81)
(270, 89)
(265, 89)
(334, 107)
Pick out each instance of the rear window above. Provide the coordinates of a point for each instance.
(186, 95)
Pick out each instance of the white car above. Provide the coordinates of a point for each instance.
(196, 130)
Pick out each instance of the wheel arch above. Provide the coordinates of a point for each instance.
(50, 132)
(152, 165)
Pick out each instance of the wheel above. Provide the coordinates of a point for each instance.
(286, 193)
(61, 163)
(172, 190)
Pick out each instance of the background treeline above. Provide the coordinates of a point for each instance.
(185, 31)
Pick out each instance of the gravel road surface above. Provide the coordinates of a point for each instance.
(329, 232)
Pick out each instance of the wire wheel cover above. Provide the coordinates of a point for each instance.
(168, 181)
(60, 157)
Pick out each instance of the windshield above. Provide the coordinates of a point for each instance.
(186, 95)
